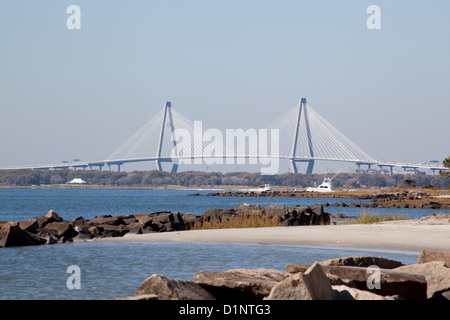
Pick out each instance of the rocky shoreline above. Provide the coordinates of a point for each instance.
(404, 199)
(350, 278)
(52, 228)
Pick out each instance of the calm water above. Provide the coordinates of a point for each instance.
(111, 270)
(18, 204)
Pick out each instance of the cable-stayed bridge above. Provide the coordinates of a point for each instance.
(299, 135)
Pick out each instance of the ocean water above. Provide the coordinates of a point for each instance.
(26, 203)
(111, 270)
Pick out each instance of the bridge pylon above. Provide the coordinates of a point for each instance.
(302, 109)
(167, 114)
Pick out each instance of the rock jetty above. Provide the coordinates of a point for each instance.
(404, 199)
(52, 228)
(348, 278)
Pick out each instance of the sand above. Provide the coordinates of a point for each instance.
(412, 234)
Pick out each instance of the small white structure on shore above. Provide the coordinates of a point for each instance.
(77, 181)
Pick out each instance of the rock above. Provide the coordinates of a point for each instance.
(319, 285)
(189, 220)
(392, 282)
(292, 288)
(435, 272)
(52, 216)
(247, 284)
(166, 221)
(29, 225)
(60, 229)
(49, 238)
(296, 268)
(143, 218)
(106, 219)
(342, 292)
(78, 222)
(363, 261)
(442, 295)
(430, 255)
(172, 289)
(95, 230)
(41, 221)
(11, 235)
(311, 285)
(107, 230)
(217, 215)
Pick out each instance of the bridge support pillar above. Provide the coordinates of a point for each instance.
(293, 166)
(391, 168)
(310, 166)
(309, 169)
(158, 165)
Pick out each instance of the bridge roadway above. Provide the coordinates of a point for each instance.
(100, 164)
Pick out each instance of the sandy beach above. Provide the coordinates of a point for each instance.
(412, 234)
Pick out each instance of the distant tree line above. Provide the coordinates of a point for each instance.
(198, 179)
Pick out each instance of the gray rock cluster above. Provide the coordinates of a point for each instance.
(336, 279)
(51, 228)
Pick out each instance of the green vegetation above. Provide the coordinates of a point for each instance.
(446, 162)
(201, 179)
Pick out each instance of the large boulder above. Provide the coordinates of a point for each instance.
(343, 292)
(393, 282)
(59, 229)
(430, 255)
(189, 220)
(107, 219)
(217, 216)
(363, 261)
(172, 289)
(436, 273)
(29, 225)
(247, 284)
(311, 285)
(11, 235)
(52, 216)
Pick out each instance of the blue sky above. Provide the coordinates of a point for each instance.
(68, 94)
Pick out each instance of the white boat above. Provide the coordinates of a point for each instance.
(266, 187)
(324, 187)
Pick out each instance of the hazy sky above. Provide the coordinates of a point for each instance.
(67, 94)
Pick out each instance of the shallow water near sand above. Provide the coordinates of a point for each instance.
(111, 270)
